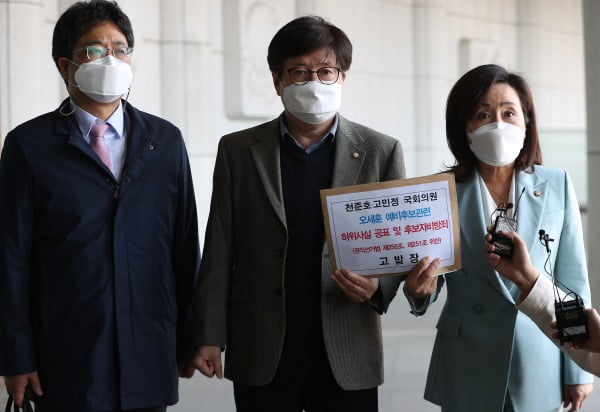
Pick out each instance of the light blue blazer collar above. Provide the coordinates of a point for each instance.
(473, 222)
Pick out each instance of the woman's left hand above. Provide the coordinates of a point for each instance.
(576, 395)
(357, 288)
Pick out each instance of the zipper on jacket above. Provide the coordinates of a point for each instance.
(126, 169)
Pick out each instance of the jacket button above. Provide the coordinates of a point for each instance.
(279, 291)
(127, 179)
(478, 308)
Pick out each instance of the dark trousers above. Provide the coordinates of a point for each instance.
(39, 408)
(303, 381)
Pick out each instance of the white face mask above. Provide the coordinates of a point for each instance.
(313, 102)
(105, 79)
(497, 144)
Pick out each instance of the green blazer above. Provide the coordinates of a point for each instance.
(240, 303)
(483, 345)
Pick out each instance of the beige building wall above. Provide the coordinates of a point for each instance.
(202, 65)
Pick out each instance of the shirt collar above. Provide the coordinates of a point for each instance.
(85, 120)
(490, 207)
(285, 131)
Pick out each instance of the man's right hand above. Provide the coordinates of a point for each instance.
(16, 386)
(421, 282)
(208, 361)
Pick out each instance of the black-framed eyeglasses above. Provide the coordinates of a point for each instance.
(98, 52)
(326, 75)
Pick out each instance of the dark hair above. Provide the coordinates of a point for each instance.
(305, 35)
(461, 106)
(81, 17)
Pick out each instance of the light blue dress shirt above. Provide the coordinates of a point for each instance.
(114, 136)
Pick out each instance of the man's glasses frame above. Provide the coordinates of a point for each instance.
(326, 75)
(95, 52)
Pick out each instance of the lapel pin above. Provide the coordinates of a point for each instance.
(355, 155)
(537, 193)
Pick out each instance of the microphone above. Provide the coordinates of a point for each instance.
(570, 314)
(545, 239)
(517, 206)
(504, 208)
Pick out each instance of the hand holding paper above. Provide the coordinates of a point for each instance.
(357, 288)
(422, 281)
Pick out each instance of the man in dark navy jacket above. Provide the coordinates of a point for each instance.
(99, 236)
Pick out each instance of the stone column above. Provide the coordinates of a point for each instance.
(173, 63)
(249, 28)
(189, 72)
(430, 86)
(591, 14)
(22, 57)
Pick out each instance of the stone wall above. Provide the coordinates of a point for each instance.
(202, 65)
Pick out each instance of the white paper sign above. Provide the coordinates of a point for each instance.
(386, 228)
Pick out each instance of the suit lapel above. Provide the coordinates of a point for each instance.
(138, 133)
(349, 155)
(471, 213)
(266, 156)
(349, 159)
(472, 228)
(67, 126)
(530, 206)
(529, 213)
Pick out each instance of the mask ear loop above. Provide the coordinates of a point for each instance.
(61, 109)
(68, 102)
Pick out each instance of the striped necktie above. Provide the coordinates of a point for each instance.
(99, 144)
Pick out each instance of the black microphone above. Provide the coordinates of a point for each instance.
(545, 239)
(504, 208)
(517, 206)
(570, 314)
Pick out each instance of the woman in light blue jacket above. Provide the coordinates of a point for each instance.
(488, 356)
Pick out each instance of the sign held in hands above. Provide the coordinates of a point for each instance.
(386, 228)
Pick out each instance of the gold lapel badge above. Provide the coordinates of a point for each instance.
(537, 193)
(355, 155)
